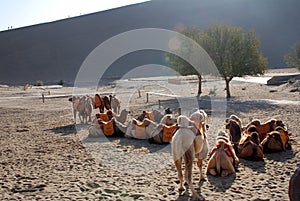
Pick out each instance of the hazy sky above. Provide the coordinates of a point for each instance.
(20, 13)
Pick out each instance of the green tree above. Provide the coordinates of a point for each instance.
(180, 65)
(292, 58)
(234, 52)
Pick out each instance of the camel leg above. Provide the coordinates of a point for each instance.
(179, 172)
(211, 166)
(246, 152)
(74, 114)
(226, 164)
(199, 164)
(260, 153)
(189, 160)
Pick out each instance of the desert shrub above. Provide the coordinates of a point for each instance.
(60, 82)
(39, 83)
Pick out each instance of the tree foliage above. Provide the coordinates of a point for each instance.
(292, 58)
(234, 51)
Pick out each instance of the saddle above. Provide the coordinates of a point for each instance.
(225, 148)
(102, 116)
(168, 132)
(98, 101)
(140, 128)
(106, 123)
(108, 127)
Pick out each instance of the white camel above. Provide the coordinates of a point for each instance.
(190, 141)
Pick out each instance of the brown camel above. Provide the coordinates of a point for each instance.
(222, 158)
(250, 148)
(235, 134)
(276, 140)
(266, 127)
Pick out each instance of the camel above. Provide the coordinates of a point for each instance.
(294, 186)
(89, 107)
(141, 129)
(237, 119)
(276, 140)
(222, 159)
(190, 141)
(115, 103)
(234, 127)
(151, 130)
(266, 127)
(166, 131)
(82, 105)
(75, 101)
(249, 146)
(106, 125)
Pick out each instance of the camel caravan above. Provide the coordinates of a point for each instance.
(187, 135)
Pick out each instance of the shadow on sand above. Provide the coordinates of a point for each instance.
(221, 184)
(257, 166)
(64, 130)
(219, 105)
(130, 143)
(281, 156)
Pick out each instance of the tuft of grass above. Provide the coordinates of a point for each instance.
(39, 83)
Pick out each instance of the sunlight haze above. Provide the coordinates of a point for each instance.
(15, 13)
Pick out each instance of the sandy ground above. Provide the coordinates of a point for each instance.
(43, 156)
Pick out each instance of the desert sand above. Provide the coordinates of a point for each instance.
(44, 156)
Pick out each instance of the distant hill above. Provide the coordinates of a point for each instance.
(55, 51)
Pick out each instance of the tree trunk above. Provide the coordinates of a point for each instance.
(199, 86)
(227, 80)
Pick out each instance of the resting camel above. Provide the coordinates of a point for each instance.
(264, 128)
(235, 131)
(249, 146)
(153, 115)
(140, 129)
(188, 142)
(106, 125)
(276, 140)
(222, 159)
(166, 130)
(115, 103)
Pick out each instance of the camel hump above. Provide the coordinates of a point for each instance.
(98, 101)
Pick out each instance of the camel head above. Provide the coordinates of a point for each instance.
(223, 136)
(168, 120)
(168, 111)
(200, 118)
(183, 121)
